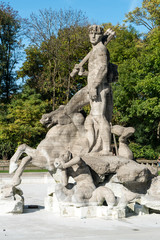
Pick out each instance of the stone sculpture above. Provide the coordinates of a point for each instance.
(85, 190)
(98, 92)
(64, 135)
(123, 133)
(11, 200)
(81, 146)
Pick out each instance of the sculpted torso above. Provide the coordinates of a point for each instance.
(97, 71)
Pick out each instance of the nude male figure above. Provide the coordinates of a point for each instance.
(99, 93)
(84, 189)
(75, 167)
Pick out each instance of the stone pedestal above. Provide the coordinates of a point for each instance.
(151, 202)
(11, 200)
(82, 210)
(137, 209)
(14, 206)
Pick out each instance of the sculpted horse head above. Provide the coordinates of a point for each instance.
(51, 119)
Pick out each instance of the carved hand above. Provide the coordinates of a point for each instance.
(81, 71)
(76, 67)
(93, 94)
(59, 163)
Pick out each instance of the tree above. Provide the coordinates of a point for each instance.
(144, 109)
(9, 45)
(45, 25)
(57, 40)
(19, 123)
(148, 15)
(74, 45)
(136, 94)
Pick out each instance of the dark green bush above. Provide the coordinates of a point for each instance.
(146, 152)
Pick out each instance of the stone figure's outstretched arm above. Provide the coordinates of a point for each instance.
(80, 70)
(72, 162)
(77, 67)
(59, 162)
(101, 69)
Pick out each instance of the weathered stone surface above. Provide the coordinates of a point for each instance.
(101, 194)
(123, 133)
(124, 195)
(133, 172)
(52, 118)
(79, 147)
(137, 209)
(152, 198)
(14, 206)
(69, 209)
(104, 164)
(154, 189)
(151, 202)
(11, 200)
(8, 191)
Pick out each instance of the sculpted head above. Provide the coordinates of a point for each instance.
(95, 34)
(64, 157)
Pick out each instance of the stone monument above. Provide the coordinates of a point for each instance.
(94, 181)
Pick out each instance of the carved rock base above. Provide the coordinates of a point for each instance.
(11, 200)
(83, 211)
(137, 209)
(14, 206)
(151, 202)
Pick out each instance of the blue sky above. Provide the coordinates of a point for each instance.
(98, 11)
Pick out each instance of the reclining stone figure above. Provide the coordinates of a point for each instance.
(84, 189)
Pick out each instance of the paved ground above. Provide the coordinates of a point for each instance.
(37, 224)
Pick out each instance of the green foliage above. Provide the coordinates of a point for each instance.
(21, 122)
(9, 46)
(55, 48)
(50, 58)
(50, 75)
(147, 15)
(126, 44)
(136, 94)
(140, 151)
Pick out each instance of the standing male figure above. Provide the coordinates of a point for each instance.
(99, 92)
